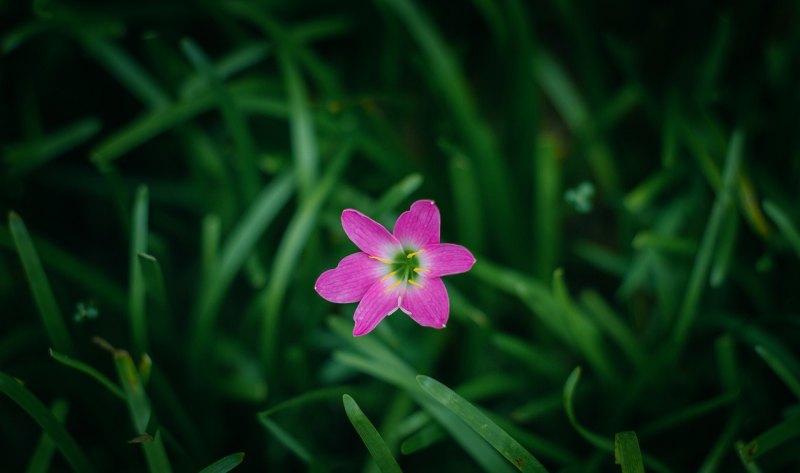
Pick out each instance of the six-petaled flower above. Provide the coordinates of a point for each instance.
(402, 270)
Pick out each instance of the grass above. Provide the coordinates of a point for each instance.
(174, 177)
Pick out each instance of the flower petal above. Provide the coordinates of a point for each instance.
(419, 226)
(380, 301)
(428, 305)
(369, 236)
(350, 279)
(446, 258)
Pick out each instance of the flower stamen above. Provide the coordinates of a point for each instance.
(414, 283)
(415, 253)
(396, 283)
(421, 270)
(388, 275)
(382, 260)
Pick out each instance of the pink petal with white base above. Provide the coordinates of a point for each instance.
(428, 305)
(351, 279)
(419, 226)
(446, 258)
(380, 301)
(369, 236)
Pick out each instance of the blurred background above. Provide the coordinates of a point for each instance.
(626, 174)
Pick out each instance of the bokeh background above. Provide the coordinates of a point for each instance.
(627, 174)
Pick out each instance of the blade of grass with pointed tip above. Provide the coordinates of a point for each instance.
(784, 224)
(137, 310)
(289, 250)
(781, 369)
(155, 289)
(645, 193)
(598, 441)
(245, 156)
(771, 439)
(141, 412)
(26, 157)
(42, 415)
(723, 254)
(535, 358)
(89, 370)
(43, 455)
(225, 464)
(370, 436)
(237, 247)
(53, 321)
(481, 424)
(698, 278)
(627, 453)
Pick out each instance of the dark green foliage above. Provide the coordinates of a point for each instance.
(172, 176)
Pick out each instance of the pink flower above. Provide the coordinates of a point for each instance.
(395, 271)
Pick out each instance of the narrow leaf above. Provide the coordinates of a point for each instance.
(370, 436)
(627, 453)
(89, 370)
(224, 464)
(42, 415)
(480, 423)
(54, 323)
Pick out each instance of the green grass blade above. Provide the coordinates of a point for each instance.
(612, 324)
(481, 424)
(43, 455)
(698, 278)
(722, 446)
(52, 427)
(231, 64)
(237, 247)
(136, 289)
(598, 441)
(53, 321)
(147, 127)
(90, 279)
(287, 440)
(370, 436)
(23, 158)
(305, 398)
(398, 193)
(783, 370)
(89, 370)
(771, 439)
(289, 250)
(627, 453)
(224, 464)
(784, 224)
(301, 125)
(466, 200)
(423, 438)
(154, 287)
(129, 73)
(245, 156)
(724, 253)
(141, 412)
(547, 200)
(689, 413)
